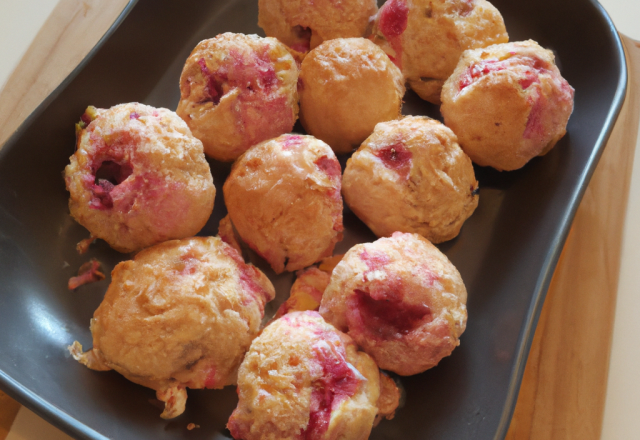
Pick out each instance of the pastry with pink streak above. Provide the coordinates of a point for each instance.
(138, 177)
(411, 175)
(425, 38)
(238, 90)
(304, 380)
(507, 103)
(304, 24)
(347, 86)
(180, 315)
(400, 299)
(283, 198)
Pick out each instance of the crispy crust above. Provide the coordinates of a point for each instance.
(411, 176)
(418, 294)
(283, 197)
(181, 314)
(290, 373)
(165, 191)
(303, 25)
(347, 86)
(507, 103)
(434, 36)
(236, 91)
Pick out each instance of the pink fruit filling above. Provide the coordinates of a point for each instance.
(253, 71)
(88, 273)
(248, 276)
(466, 7)
(338, 382)
(107, 177)
(291, 141)
(535, 126)
(303, 35)
(330, 166)
(397, 157)
(386, 316)
(533, 67)
(210, 380)
(394, 16)
(189, 264)
(214, 87)
(374, 260)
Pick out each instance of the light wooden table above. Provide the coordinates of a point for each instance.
(563, 391)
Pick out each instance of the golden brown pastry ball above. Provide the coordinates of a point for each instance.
(303, 24)
(283, 197)
(425, 38)
(237, 90)
(303, 379)
(138, 177)
(181, 314)
(346, 87)
(507, 104)
(400, 299)
(410, 175)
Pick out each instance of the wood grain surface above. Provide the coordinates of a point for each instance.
(563, 391)
(71, 31)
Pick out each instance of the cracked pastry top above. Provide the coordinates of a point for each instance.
(138, 177)
(180, 315)
(283, 198)
(411, 175)
(238, 90)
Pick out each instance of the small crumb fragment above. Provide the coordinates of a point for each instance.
(329, 263)
(306, 291)
(228, 234)
(192, 426)
(83, 246)
(389, 399)
(89, 272)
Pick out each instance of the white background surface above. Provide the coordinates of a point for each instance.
(20, 21)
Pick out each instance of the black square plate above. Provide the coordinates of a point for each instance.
(506, 253)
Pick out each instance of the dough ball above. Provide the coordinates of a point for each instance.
(346, 87)
(283, 198)
(507, 104)
(303, 25)
(236, 91)
(304, 379)
(138, 177)
(180, 314)
(400, 299)
(425, 38)
(410, 175)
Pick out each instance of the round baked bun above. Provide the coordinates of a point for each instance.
(400, 299)
(507, 104)
(347, 86)
(237, 90)
(410, 175)
(303, 379)
(283, 198)
(138, 177)
(180, 314)
(303, 25)
(425, 38)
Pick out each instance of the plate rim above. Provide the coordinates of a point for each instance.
(525, 339)
(77, 429)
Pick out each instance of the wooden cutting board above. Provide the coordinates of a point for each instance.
(563, 392)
